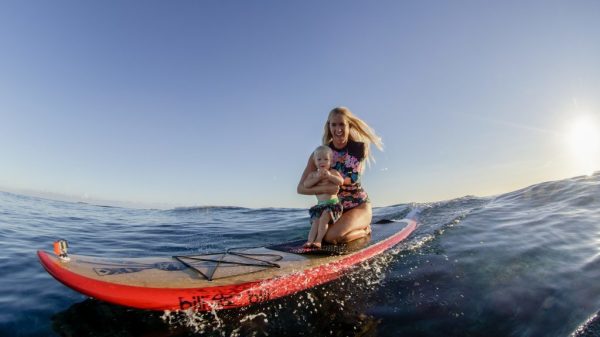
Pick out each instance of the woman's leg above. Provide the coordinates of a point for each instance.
(353, 224)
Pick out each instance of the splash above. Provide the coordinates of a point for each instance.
(344, 301)
(591, 327)
(198, 322)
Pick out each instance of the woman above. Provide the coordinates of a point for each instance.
(350, 139)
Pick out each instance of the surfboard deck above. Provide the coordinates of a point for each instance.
(234, 278)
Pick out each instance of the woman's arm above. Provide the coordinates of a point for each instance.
(316, 189)
(335, 177)
(312, 179)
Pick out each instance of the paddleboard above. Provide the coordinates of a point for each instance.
(234, 278)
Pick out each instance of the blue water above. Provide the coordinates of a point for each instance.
(525, 263)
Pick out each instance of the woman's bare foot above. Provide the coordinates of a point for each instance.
(308, 244)
(316, 245)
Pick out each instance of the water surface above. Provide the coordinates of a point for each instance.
(525, 263)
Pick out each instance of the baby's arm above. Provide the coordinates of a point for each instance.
(312, 179)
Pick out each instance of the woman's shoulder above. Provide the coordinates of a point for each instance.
(353, 148)
(356, 149)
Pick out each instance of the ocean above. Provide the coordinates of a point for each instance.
(524, 263)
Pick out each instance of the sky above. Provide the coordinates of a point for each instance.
(198, 103)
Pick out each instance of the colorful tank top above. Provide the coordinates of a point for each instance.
(349, 162)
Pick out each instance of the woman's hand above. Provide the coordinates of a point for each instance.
(315, 189)
(330, 189)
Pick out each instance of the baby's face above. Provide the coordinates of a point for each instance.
(322, 161)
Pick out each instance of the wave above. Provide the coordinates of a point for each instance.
(205, 208)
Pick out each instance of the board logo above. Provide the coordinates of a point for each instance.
(221, 301)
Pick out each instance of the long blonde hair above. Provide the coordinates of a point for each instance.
(359, 131)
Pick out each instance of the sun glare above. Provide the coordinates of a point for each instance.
(583, 139)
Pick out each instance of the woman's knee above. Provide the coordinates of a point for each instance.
(336, 237)
(331, 237)
(340, 233)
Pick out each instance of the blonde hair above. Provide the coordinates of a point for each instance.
(323, 149)
(359, 131)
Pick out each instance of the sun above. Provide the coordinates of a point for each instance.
(583, 140)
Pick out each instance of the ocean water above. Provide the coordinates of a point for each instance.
(525, 263)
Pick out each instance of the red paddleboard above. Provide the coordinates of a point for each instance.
(235, 278)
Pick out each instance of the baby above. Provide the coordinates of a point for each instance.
(328, 209)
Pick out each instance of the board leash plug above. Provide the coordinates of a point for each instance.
(60, 249)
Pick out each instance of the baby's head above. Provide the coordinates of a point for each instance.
(322, 157)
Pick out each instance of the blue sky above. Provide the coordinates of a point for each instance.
(183, 103)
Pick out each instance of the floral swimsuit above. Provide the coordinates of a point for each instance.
(349, 162)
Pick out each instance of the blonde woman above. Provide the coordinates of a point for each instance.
(349, 138)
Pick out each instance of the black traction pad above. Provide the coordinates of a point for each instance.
(296, 247)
